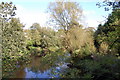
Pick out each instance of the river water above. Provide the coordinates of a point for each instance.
(50, 66)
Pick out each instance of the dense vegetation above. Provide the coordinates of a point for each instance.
(94, 53)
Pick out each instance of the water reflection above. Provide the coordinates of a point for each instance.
(20, 73)
(38, 74)
(40, 69)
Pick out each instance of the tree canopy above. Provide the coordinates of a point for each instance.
(65, 14)
(109, 32)
(13, 41)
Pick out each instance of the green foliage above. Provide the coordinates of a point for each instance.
(7, 11)
(103, 67)
(109, 4)
(109, 32)
(67, 16)
(53, 49)
(70, 38)
(71, 73)
(56, 58)
(13, 40)
(42, 37)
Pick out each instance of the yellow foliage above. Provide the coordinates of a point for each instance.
(77, 39)
(103, 48)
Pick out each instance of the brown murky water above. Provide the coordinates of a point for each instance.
(39, 69)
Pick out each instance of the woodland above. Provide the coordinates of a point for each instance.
(94, 54)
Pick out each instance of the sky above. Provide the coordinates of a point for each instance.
(32, 11)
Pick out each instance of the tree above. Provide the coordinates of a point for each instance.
(7, 10)
(42, 38)
(109, 4)
(13, 40)
(65, 14)
(12, 31)
(109, 32)
(35, 31)
(81, 41)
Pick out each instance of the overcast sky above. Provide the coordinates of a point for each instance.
(31, 11)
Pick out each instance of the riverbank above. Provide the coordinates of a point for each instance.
(48, 66)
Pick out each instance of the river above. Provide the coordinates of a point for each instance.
(50, 66)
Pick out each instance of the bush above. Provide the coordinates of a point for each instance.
(101, 67)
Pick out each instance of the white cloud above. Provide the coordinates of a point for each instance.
(92, 19)
(93, 23)
(28, 17)
(89, 12)
(89, 0)
(88, 21)
(52, 0)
